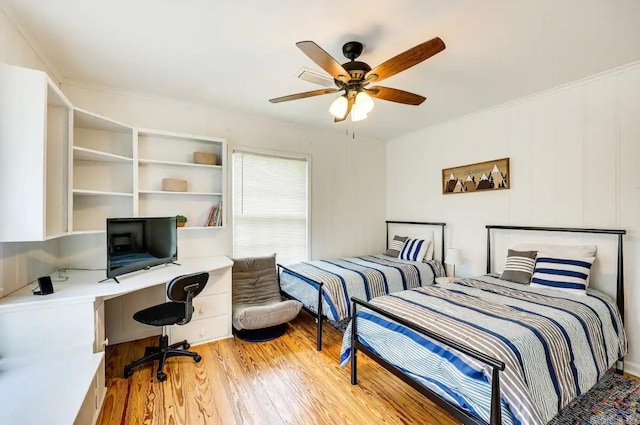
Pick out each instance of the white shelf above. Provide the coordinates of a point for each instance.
(85, 154)
(199, 227)
(179, 136)
(87, 232)
(100, 193)
(89, 120)
(181, 164)
(166, 192)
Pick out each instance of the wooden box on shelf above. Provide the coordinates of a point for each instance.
(205, 158)
(174, 185)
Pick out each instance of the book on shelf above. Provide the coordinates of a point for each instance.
(219, 218)
(212, 212)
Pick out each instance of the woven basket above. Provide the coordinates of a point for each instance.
(205, 158)
(174, 185)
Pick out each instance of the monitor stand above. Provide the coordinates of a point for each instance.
(114, 278)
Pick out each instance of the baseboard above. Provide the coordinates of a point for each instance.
(632, 368)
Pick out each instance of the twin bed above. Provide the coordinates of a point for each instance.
(487, 350)
(325, 287)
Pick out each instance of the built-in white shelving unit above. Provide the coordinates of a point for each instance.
(171, 155)
(65, 170)
(103, 171)
(34, 141)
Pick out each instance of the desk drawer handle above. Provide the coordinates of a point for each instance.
(201, 310)
(202, 333)
(105, 342)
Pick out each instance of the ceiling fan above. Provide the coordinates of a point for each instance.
(353, 78)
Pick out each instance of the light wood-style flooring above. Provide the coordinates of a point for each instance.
(283, 381)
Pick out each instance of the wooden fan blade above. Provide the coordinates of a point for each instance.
(349, 105)
(324, 60)
(395, 95)
(302, 95)
(406, 60)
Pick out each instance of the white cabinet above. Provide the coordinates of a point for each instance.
(212, 312)
(102, 172)
(34, 156)
(171, 155)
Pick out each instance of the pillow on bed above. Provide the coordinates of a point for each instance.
(562, 273)
(519, 266)
(396, 246)
(414, 250)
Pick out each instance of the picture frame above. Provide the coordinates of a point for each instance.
(478, 177)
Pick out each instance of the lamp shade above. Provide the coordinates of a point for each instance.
(339, 107)
(454, 256)
(357, 114)
(364, 102)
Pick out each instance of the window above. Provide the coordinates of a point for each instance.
(270, 206)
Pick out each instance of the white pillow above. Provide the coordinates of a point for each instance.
(428, 237)
(414, 250)
(562, 273)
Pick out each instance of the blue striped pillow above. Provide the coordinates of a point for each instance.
(562, 273)
(414, 249)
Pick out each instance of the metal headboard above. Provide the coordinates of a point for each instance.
(620, 233)
(424, 223)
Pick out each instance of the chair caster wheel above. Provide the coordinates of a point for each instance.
(128, 372)
(197, 358)
(162, 376)
(187, 346)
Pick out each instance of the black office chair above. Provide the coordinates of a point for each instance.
(178, 311)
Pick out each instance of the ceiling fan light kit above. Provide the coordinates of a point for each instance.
(353, 77)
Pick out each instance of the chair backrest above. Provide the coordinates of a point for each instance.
(183, 289)
(255, 280)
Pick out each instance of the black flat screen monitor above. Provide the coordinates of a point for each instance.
(140, 243)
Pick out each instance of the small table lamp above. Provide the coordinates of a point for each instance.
(454, 256)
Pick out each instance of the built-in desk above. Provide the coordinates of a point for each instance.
(69, 324)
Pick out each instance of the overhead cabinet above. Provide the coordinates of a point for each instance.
(35, 120)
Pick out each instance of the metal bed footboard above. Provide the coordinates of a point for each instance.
(318, 315)
(465, 417)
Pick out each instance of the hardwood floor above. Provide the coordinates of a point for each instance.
(283, 381)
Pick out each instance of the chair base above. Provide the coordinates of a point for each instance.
(162, 353)
(261, 335)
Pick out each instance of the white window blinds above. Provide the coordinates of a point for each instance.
(270, 200)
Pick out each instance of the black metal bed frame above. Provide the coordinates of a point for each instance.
(319, 316)
(496, 365)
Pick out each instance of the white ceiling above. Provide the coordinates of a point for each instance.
(238, 54)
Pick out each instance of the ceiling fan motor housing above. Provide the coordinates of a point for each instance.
(356, 70)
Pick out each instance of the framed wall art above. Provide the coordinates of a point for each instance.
(478, 177)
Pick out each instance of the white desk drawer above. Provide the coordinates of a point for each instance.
(211, 306)
(218, 283)
(204, 330)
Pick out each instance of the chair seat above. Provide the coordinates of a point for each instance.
(161, 315)
(266, 315)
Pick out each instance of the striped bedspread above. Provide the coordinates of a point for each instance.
(556, 346)
(363, 277)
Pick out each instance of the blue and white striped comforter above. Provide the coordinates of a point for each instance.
(556, 346)
(363, 277)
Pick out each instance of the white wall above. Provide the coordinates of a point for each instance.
(21, 263)
(575, 160)
(347, 181)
